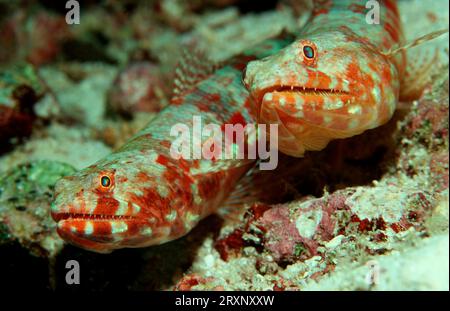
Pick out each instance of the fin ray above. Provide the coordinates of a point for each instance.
(418, 41)
(194, 66)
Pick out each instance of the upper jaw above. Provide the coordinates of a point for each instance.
(344, 89)
(302, 90)
(83, 211)
(61, 216)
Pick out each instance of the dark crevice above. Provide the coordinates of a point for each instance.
(252, 6)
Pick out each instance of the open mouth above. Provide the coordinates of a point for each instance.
(302, 90)
(319, 87)
(92, 217)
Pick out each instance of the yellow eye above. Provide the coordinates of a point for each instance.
(105, 181)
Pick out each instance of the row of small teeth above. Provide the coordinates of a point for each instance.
(315, 89)
(97, 216)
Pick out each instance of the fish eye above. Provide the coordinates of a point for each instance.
(308, 51)
(105, 181)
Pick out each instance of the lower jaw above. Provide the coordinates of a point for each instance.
(99, 235)
(86, 243)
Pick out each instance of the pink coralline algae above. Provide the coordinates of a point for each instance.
(439, 168)
(300, 230)
(189, 281)
(281, 237)
(426, 131)
(140, 86)
(430, 116)
(232, 243)
(296, 234)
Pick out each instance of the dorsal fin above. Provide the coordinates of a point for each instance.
(193, 67)
(420, 66)
(416, 42)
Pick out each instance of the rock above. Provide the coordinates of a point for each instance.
(80, 90)
(139, 87)
(71, 145)
(26, 192)
(20, 89)
(421, 267)
(33, 37)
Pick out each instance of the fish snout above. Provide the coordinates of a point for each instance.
(248, 75)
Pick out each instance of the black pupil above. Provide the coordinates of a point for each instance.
(106, 181)
(309, 51)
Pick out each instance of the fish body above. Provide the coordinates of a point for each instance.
(334, 81)
(141, 195)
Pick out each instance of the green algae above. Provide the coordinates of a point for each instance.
(26, 192)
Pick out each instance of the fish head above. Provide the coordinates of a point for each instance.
(112, 204)
(333, 80)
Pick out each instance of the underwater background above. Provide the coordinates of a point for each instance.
(71, 94)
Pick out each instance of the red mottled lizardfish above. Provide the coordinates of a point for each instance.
(343, 75)
(339, 78)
